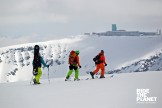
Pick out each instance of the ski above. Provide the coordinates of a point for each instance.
(96, 77)
(73, 80)
(89, 78)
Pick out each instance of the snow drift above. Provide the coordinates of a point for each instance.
(116, 92)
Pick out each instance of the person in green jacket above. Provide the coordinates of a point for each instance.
(74, 63)
(37, 63)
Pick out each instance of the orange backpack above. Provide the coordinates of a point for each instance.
(72, 58)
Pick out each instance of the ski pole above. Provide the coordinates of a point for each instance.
(48, 76)
(31, 80)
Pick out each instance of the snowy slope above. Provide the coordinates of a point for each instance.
(116, 92)
(16, 61)
(123, 54)
(151, 63)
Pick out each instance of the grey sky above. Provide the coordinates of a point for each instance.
(69, 17)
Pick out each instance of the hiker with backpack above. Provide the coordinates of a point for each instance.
(74, 63)
(37, 63)
(100, 63)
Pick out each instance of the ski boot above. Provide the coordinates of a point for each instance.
(76, 79)
(67, 78)
(92, 75)
(34, 80)
(102, 77)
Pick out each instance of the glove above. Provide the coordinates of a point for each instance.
(105, 64)
(80, 66)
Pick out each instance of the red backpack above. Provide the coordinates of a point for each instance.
(72, 58)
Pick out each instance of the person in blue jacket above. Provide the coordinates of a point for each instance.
(37, 63)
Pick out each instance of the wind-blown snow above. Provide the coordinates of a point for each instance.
(116, 92)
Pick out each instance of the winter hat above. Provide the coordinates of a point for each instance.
(102, 51)
(77, 52)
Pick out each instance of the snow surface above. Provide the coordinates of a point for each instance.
(127, 53)
(116, 92)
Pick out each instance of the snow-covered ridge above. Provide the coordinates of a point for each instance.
(16, 61)
(151, 63)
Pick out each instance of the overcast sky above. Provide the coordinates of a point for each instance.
(28, 18)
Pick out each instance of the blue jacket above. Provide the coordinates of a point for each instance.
(43, 62)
